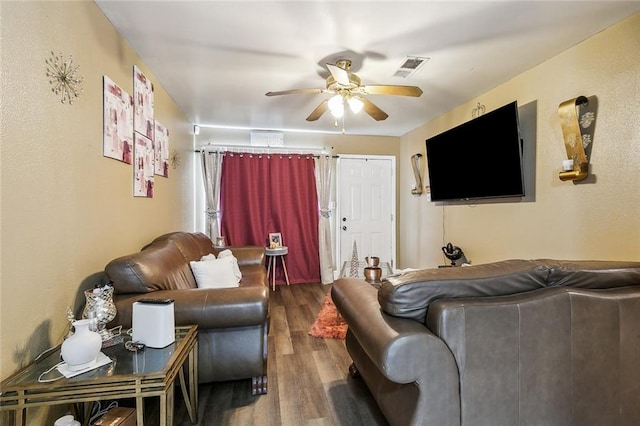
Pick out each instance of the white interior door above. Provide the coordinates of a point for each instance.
(366, 207)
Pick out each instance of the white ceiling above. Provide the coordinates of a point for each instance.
(218, 59)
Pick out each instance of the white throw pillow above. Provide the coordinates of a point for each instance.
(226, 254)
(209, 256)
(218, 273)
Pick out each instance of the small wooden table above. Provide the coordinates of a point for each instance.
(151, 372)
(273, 255)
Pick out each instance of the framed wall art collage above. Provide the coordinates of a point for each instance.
(131, 135)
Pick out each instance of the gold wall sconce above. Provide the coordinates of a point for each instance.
(577, 119)
(416, 164)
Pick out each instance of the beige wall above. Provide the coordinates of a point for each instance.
(599, 220)
(66, 209)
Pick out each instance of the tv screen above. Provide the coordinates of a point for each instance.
(478, 159)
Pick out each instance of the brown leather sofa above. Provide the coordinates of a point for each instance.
(516, 342)
(232, 322)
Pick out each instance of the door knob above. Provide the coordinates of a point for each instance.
(344, 219)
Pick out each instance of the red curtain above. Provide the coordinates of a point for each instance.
(260, 194)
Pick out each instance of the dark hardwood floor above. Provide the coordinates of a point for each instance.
(309, 381)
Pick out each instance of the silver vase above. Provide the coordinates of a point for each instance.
(99, 307)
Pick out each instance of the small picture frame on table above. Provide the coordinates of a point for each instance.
(275, 240)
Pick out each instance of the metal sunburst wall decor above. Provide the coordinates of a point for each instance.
(64, 78)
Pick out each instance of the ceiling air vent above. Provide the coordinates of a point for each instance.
(266, 139)
(409, 66)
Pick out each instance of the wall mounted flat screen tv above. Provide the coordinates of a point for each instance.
(481, 158)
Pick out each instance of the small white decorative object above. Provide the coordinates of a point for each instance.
(67, 420)
(81, 350)
(567, 165)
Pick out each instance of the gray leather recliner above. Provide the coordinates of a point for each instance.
(516, 342)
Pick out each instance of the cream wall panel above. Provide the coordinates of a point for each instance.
(593, 220)
(66, 209)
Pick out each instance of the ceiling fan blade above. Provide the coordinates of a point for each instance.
(340, 75)
(392, 90)
(317, 113)
(373, 110)
(293, 91)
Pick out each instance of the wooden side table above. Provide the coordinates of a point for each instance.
(273, 255)
(152, 372)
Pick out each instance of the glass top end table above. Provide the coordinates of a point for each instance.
(346, 270)
(151, 372)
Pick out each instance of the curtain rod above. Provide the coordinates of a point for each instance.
(250, 149)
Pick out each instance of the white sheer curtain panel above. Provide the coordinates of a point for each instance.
(211, 173)
(325, 167)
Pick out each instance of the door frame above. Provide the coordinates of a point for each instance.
(394, 213)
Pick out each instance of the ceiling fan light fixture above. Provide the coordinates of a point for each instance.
(355, 104)
(346, 88)
(336, 106)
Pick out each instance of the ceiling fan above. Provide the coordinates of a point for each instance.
(347, 89)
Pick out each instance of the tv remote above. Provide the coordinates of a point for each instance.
(156, 301)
